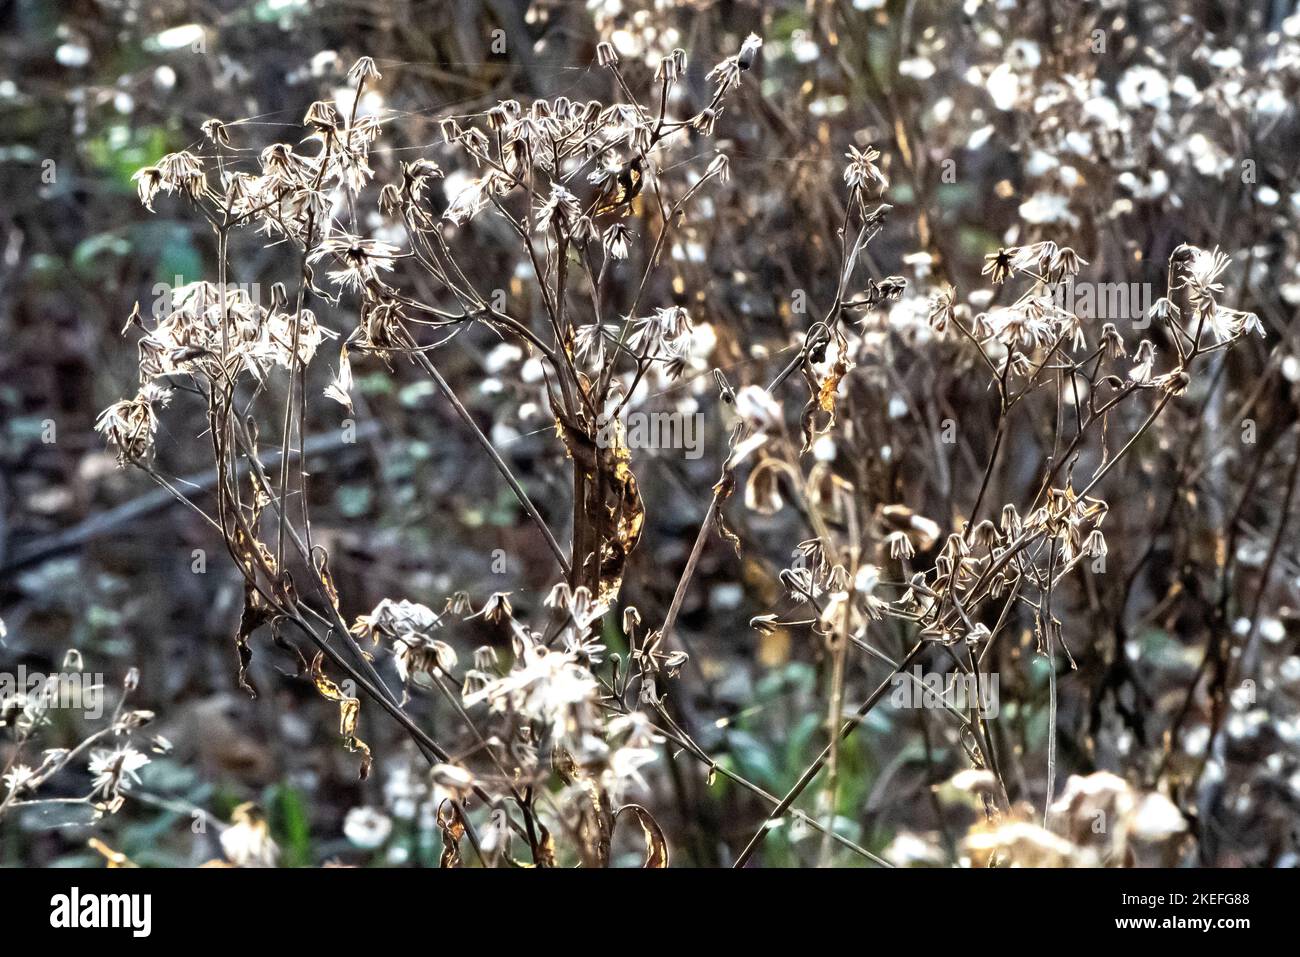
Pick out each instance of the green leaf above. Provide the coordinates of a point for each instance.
(290, 826)
(754, 759)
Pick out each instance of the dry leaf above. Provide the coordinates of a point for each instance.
(763, 489)
(452, 826)
(321, 560)
(545, 847)
(818, 416)
(255, 614)
(656, 847)
(723, 491)
(611, 499)
(349, 712)
(340, 387)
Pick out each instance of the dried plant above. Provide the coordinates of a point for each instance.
(113, 754)
(554, 739)
(561, 176)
